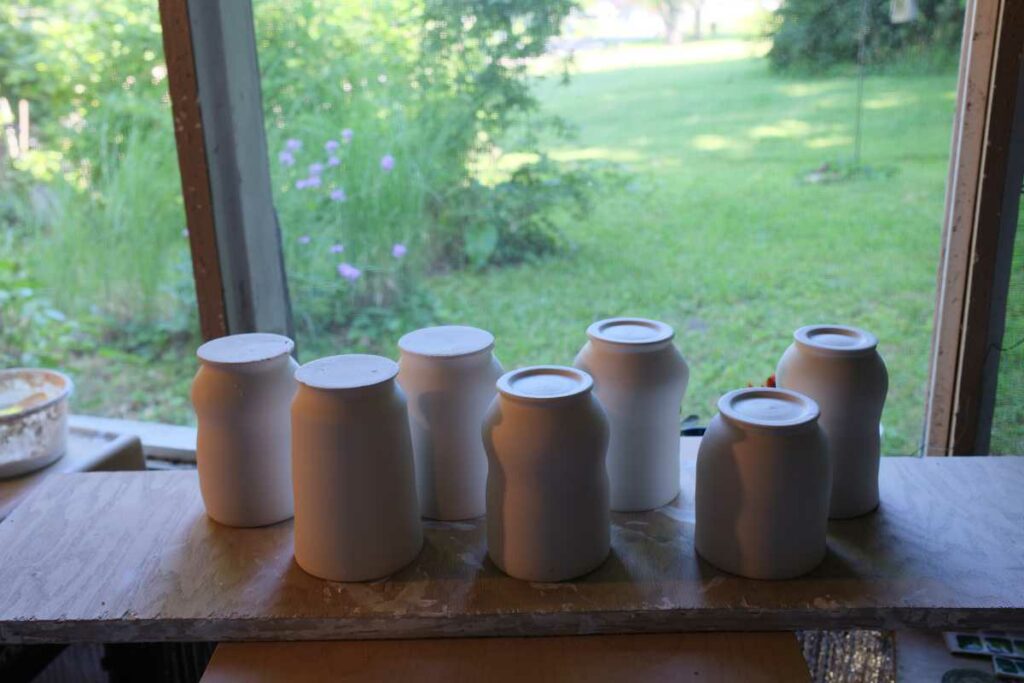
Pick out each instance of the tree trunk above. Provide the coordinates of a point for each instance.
(696, 21)
(671, 15)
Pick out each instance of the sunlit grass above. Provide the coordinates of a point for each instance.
(716, 233)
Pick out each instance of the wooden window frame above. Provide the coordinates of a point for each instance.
(217, 103)
(982, 203)
(235, 239)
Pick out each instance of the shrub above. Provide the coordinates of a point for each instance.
(815, 35)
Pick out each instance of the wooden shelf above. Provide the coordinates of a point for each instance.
(131, 556)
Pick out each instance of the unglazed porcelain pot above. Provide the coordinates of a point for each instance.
(356, 514)
(448, 375)
(242, 395)
(762, 486)
(547, 488)
(640, 379)
(839, 367)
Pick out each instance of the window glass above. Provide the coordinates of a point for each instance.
(530, 168)
(1008, 419)
(95, 275)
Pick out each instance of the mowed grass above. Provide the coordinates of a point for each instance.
(714, 230)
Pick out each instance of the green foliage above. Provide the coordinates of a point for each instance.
(429, 85)
(518, 219)
(815, 35)
(32, 331)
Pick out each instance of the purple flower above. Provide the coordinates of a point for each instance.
(286, 158)
(316, 169)
(312, 181)
(349, 272)
(387, 162)
(398, 250)
(346, 135)
(304, 239)
(337, 248)
(293, 145)
(333, 160)
(330, 146)
(338, 195)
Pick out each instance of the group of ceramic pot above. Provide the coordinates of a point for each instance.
(358, 448)
(776, 463)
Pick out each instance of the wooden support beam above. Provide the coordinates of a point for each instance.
(974, 266)
(210, 49)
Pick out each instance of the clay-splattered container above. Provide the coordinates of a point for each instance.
(33, 419)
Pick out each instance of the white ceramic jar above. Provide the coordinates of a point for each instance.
(839, 367)
(762, 485)
(242, 396)
(356, 514)
(448, 375)
(640, 379)
(547, 488)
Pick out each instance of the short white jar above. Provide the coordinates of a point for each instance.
(242, 395)
(640, 379)
(840, 368)
(547, 488)
(448, 375)
(762, 485)
(356, 514)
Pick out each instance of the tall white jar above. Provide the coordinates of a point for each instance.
(356, 514)
(448, 375)
(762, 485)
(241, 395)
(547, 489)
(840, 368)
(640, 379)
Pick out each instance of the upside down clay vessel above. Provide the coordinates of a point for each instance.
(547, 489)
(839, 367)
(448, 375)
(242, 394)
(640, 379)
(762, 485)
(356, 514)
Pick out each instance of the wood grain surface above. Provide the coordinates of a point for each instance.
(654, 658)
(89, 450)
(132, 556)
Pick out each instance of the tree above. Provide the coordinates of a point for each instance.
(671, 12)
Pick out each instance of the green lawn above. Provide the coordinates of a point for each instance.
(715, 233)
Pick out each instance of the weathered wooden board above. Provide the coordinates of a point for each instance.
(652, 658)
(89, 450)
(132, 556)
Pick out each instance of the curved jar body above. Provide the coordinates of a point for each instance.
(448, 375)
(241, 395)
(640, 379)
(839, 367)
(762, 485)
(547, 489)
(356, 514)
